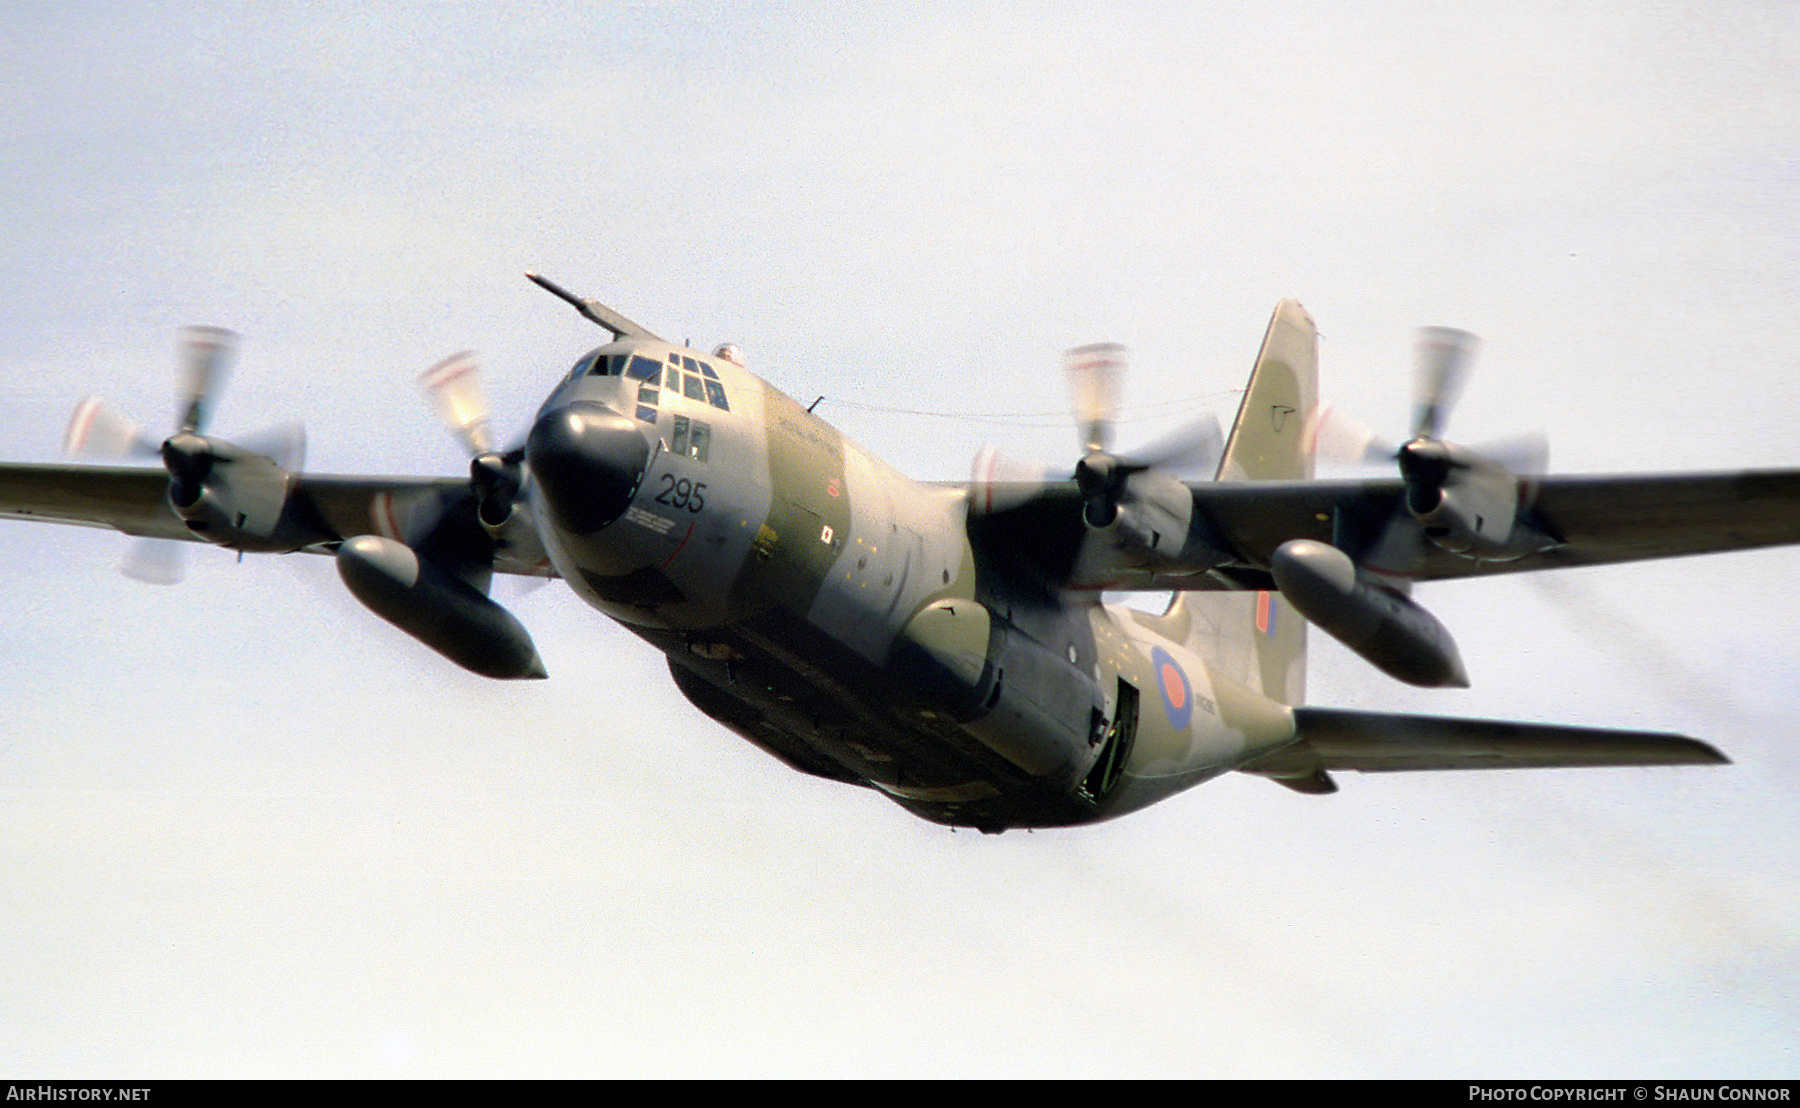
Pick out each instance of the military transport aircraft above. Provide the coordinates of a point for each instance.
(946, 644)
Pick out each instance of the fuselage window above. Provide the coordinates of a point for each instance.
(643, 369)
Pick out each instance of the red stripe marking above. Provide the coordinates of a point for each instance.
(679, 547)
(84, 422)
(382, 513)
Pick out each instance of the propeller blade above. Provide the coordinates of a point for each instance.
(998, 482)
(1526, 454)
(98, 430)
(155, 561)
(453, 386)
(1194, 449)
(1445, 355)
(1342, 438)
(1095, 372)
(205, 356)
(284, 444)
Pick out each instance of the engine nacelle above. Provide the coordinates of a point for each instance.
(1155, 511)
(1466, 503)
(229, 495)
(1386, 628)
(440, 610)
(1147, 528)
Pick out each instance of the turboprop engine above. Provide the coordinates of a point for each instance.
(1472, 502)
(234, 494)
(1137, 515)
(229, 494)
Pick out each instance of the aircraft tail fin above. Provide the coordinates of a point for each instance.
(1258, 636)
(1271, 440)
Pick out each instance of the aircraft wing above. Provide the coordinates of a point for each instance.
(1381, 742)
(1594, 520)
(129, 499)
(321, 510)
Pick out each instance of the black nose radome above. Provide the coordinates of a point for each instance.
(587, 461)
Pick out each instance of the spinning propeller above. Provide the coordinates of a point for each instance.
(1096, 373)
(99, 431)
(1135, 510)
(1465, 499)
(1471, 502)
(453, 388)
(1105, 479)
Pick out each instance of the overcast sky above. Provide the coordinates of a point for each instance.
(247, 829)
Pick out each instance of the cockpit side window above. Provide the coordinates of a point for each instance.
(643, 369)
(690, 439)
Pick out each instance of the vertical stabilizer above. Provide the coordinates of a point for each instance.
(1258, 637)
(1270, 441)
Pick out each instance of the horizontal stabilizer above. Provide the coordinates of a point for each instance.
(1381, 742)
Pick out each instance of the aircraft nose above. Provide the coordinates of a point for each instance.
(587, 461)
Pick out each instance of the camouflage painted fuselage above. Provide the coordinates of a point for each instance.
(837, 614)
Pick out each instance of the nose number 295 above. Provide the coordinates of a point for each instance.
(682, 493)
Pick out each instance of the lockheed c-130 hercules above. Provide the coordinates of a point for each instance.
(946, 644)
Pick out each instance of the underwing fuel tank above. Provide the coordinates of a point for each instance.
(440, 610)
(1385, 627)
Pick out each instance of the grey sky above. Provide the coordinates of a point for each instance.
(249, 830)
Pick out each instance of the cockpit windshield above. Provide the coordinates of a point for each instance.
(676, 376)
